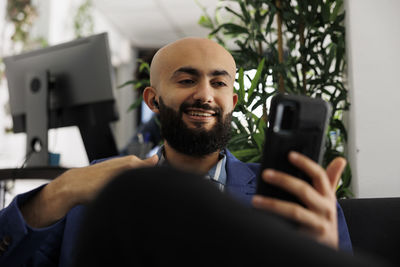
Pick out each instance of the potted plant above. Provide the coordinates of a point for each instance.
(297, 47)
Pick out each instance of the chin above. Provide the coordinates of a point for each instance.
(200, 125)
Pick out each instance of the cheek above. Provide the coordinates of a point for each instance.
(225, 102)
(173, 95)
(172, 101)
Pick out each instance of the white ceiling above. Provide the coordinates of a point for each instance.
(154, 23)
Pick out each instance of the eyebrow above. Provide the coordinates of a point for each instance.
(196, 72)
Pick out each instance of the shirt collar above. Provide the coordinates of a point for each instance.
(217, 174)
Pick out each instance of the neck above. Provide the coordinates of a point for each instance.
(195, 164)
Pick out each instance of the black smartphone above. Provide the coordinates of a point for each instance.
(296, 123)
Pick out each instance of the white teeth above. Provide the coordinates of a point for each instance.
(196, 113)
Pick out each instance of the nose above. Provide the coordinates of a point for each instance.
(204, 92)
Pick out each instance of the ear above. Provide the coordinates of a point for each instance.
(149, 95)
(235, 100)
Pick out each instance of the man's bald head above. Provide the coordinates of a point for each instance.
(190, 52)
(192, 90)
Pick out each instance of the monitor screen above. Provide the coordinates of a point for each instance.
(64, 85)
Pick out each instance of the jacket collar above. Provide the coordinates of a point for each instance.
(238, 173)
(241, 178)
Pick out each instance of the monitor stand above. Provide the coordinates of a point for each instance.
(36, 97)
(97, 138)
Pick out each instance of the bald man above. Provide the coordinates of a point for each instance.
(192, 90)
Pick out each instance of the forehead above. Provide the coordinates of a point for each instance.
(204, 57)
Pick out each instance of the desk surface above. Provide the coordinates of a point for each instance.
(31, 173)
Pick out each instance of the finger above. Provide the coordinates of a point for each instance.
(297, 187)
(313, 170)
(335, 170)
(289, 210)
(152, 160)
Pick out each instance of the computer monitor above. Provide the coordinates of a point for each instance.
(64, 85)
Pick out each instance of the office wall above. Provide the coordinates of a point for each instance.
(373, 44)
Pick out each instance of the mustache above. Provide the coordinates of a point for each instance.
(198, 104)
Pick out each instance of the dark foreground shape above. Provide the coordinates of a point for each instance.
(165, 217)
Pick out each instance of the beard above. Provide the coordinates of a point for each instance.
(197, 142)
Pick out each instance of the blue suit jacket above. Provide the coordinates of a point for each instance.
(54, 245)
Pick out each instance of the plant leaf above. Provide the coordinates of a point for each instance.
(136, 104)
(254, 82)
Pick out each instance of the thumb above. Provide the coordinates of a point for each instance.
(152, 160)
(335, 170)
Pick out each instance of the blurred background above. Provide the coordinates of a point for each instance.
(136, 29)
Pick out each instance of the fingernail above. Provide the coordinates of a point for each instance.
(257, 199)
(293, 155)
(269, 174)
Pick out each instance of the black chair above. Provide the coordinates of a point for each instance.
(374, 226)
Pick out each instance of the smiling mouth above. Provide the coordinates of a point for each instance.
(200, 113)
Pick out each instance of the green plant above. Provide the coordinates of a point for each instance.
(297, 47)
(83, 20)
(22, 14)
(139, 84)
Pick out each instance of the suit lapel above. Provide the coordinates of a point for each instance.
(241, 178)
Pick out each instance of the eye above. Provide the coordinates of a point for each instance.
(219, 84)
(186, 82)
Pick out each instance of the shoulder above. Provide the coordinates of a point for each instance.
(233, 162)
(241, 178)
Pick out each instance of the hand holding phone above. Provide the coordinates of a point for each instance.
(296, 123)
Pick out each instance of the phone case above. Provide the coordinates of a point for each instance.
(296, 123)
